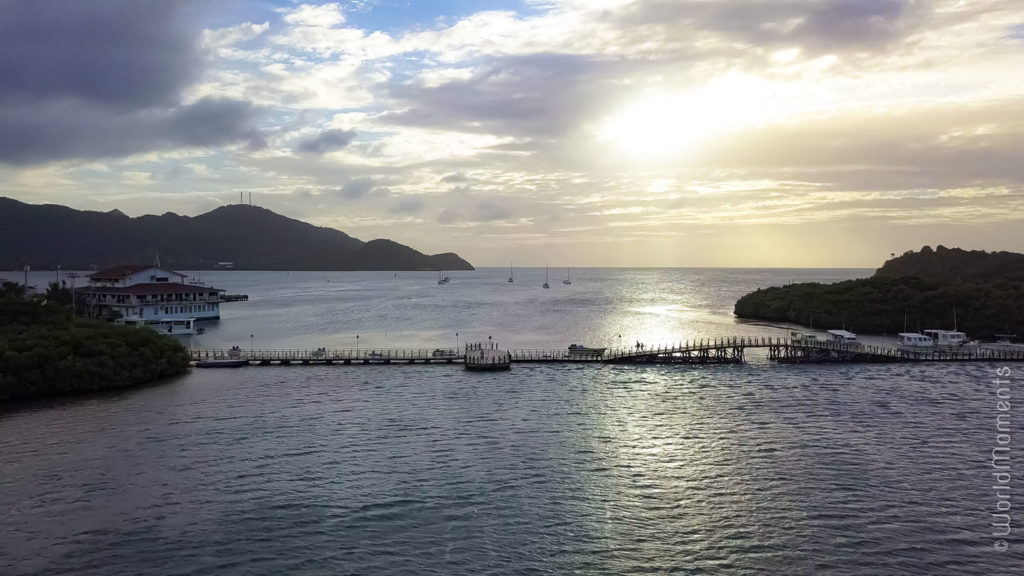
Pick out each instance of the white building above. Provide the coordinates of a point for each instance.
(149, 293)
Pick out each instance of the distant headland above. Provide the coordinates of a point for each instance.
(981, 293)
(236, 236)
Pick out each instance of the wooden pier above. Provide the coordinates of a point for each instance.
(704, 351)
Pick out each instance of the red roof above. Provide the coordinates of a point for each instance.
(158, 288)
(119, 272)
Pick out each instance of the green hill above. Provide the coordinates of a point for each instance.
(921, 289)
(250, 237)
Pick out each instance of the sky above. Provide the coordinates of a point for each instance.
(749, 133)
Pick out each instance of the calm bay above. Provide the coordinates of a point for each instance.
(589, 469)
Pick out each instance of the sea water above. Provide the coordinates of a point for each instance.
(587, 469)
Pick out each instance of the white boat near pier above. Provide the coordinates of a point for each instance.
(172, 326)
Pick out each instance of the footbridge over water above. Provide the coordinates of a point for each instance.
(702, 351)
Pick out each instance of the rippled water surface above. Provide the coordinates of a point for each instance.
(752, 469)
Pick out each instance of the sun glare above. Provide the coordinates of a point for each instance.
(666, 125)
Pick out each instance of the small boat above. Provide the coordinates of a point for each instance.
(172, 326)
(578, 350)
(510, 275)
(568, 278)
(546, 277)
(803, 337)
(487, 358)
(842, 336)
(1006, 341)
(222, 363)
(914, 340)
(948, 338)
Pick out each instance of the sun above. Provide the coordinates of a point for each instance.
(656, 126)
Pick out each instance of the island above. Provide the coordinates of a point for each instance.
(978, 292)
(235, 236)
(46, 351)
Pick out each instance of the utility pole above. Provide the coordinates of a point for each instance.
(72, 275)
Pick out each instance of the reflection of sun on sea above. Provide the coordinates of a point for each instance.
(664, 125)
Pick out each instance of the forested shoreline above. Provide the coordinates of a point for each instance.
(46, 351)
(980, 293)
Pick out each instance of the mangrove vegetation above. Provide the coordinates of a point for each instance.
(46, 351)
(978, 292)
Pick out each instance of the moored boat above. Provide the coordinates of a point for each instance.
(914, 340)
(578, 350)
(803, 337)
(172, 326)
(222, 363)
(948, 339)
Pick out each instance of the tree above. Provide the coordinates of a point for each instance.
(58, 294)
(11, 290)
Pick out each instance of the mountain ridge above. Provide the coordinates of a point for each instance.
(250, 237)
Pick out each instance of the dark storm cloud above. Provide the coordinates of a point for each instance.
(120, 53)
(327, 141)
(35, 134)
(104, 78)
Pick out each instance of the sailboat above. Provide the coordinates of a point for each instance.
(568, 279)
(546, 277)
(510, 272)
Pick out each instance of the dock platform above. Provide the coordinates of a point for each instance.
(703, 351)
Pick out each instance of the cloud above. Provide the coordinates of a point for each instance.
(322, 16)
(72, 129)
(480, 212)
(118, 53)
(357, 188)
(916, 147)
(818, 26)
(222, 42)
(104, 78)
(488, 211)
(409, 205)
(327, 141)
(455, 178)
(450, 217)
(538, 95)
